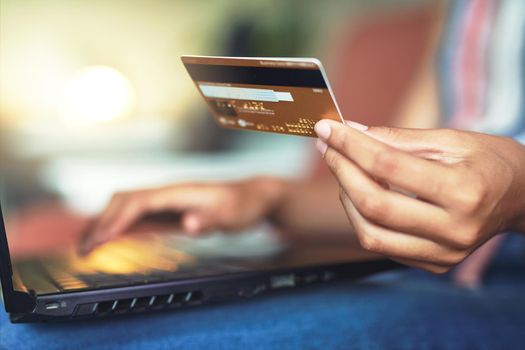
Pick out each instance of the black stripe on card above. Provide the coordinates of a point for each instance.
(311, 78)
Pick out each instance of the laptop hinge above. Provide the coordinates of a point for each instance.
(19, 302)
(14, 301)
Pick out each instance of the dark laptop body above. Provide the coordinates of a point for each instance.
(48, 289)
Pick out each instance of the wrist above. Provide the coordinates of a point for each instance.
(519, 223)
(269, 190)
(519, 192)
(521, 226)
(272, 191)
(520, 220)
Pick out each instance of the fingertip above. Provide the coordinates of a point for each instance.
(84, 244)
(85, 249)
(82, 251)
(95, 243)
(323, 129)
(93, 240)
(191, 224)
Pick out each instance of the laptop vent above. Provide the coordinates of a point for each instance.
(155, 302)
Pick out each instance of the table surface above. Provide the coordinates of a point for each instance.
(398, 309)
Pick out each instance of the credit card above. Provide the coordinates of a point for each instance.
(280, 95)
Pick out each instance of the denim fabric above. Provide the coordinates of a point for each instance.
(396, 310)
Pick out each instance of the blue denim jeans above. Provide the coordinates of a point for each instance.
(406, 309)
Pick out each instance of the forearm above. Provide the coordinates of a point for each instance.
(519, 223)
(516, 157)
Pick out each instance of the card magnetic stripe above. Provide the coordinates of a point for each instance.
(310, 78)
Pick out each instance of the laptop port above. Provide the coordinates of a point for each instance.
(85, 309)
(187, 297)
(179, 298)
(283, 281)
(141, 303)
(123, 305)
(194, 297)
(105, 307)
(161, 300)
(52, 305)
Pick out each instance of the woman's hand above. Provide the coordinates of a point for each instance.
(427, 198)
(203, 207)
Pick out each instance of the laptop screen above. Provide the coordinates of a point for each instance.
(61, 167)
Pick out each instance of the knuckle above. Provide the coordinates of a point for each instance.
(372, 207)
(473, 195)
(466, 237)
(439, 187)
(370, 242)
(383, 162)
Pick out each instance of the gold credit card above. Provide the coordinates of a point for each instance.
(281, 95)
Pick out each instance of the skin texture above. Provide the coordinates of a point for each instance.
(202, 207)
(230, 206)
(427, 198)
(313, 209)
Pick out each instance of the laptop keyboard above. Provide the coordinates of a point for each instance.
(68, 281)
(127, 262)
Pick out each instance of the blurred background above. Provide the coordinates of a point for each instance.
(94, 98)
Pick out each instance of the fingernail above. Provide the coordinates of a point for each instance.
(192, 224)
(322, 129)
(356, 126)
(321, 146)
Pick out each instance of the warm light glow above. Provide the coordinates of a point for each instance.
(96, 94)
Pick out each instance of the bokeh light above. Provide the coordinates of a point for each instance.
(96, 94)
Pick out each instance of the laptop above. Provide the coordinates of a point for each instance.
(51, 193)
